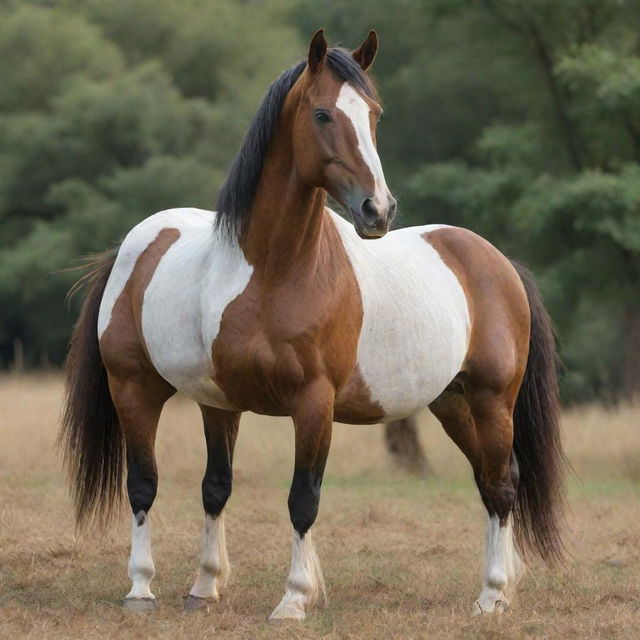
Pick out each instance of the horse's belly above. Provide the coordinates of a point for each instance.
(404, 373)
(415, 330)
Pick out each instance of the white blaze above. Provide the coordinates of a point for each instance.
(355, 107)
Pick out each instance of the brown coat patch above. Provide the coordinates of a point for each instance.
(498, 307)
(296, 325)
(122, 344)
(354, 404)
(287, 329)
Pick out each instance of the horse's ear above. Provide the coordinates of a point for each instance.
(365, 54)
(317, 50)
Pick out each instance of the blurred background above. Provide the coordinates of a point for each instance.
(519, 119)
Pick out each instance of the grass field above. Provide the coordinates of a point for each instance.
(401, 556)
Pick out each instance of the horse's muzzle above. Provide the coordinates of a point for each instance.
(373, 220)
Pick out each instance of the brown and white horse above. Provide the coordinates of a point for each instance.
(276, 305)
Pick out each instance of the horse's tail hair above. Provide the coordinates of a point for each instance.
(90, 434)
(540, 498)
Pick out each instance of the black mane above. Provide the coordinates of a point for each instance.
(239, 188)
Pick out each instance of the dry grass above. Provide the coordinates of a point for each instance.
(401, 556)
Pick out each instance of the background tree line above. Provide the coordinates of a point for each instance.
(519, 119)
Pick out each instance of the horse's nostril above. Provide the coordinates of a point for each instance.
(369, 210)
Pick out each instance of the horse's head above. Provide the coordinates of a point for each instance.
(334, 133)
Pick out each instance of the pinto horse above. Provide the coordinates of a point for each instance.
(277, 305)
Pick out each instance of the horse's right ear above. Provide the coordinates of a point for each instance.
(317, 50)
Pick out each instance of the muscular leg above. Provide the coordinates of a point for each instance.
(139, 400)
(451, 408)
(313, 421)
(497, 482)
(480, 423)
(220, 430)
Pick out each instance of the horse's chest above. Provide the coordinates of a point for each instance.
(257, 375)
(263, 353)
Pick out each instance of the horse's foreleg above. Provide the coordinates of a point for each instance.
(139, 402)
(220, 430)
(313, 416)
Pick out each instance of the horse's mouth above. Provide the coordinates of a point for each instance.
(370, 231)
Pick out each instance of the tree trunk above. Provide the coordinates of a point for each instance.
(403, 444)
(17, 366)
(631, 362)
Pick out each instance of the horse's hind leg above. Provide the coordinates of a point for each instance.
(497, 482)
(480, 423)
(220, 430)
(139, 400)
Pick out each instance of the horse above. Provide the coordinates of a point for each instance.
(277, 305)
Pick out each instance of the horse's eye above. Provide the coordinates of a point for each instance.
(322, 116)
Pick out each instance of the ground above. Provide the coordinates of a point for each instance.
(401, 556)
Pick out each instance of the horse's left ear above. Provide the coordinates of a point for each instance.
(366, 52)
(317, 50)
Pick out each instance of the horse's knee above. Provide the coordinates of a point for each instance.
(498, 498)
(215, 493)
(304, 499)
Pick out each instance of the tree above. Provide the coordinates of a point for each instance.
(110, 111)
(557, 184)
(517, 119)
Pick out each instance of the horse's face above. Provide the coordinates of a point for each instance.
(334, 140)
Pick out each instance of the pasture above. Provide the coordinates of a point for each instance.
(401, 556)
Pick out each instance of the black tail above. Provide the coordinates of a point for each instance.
(537, 444)
(90, 432)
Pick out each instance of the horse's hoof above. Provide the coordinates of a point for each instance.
(288, 610)
(499, 607)
(191, 603)
(139, 605)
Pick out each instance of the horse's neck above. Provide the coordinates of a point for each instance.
(285, 227)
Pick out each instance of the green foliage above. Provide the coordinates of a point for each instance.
(517, 119)
(41, 49)
(110, 111)
(558, 183)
